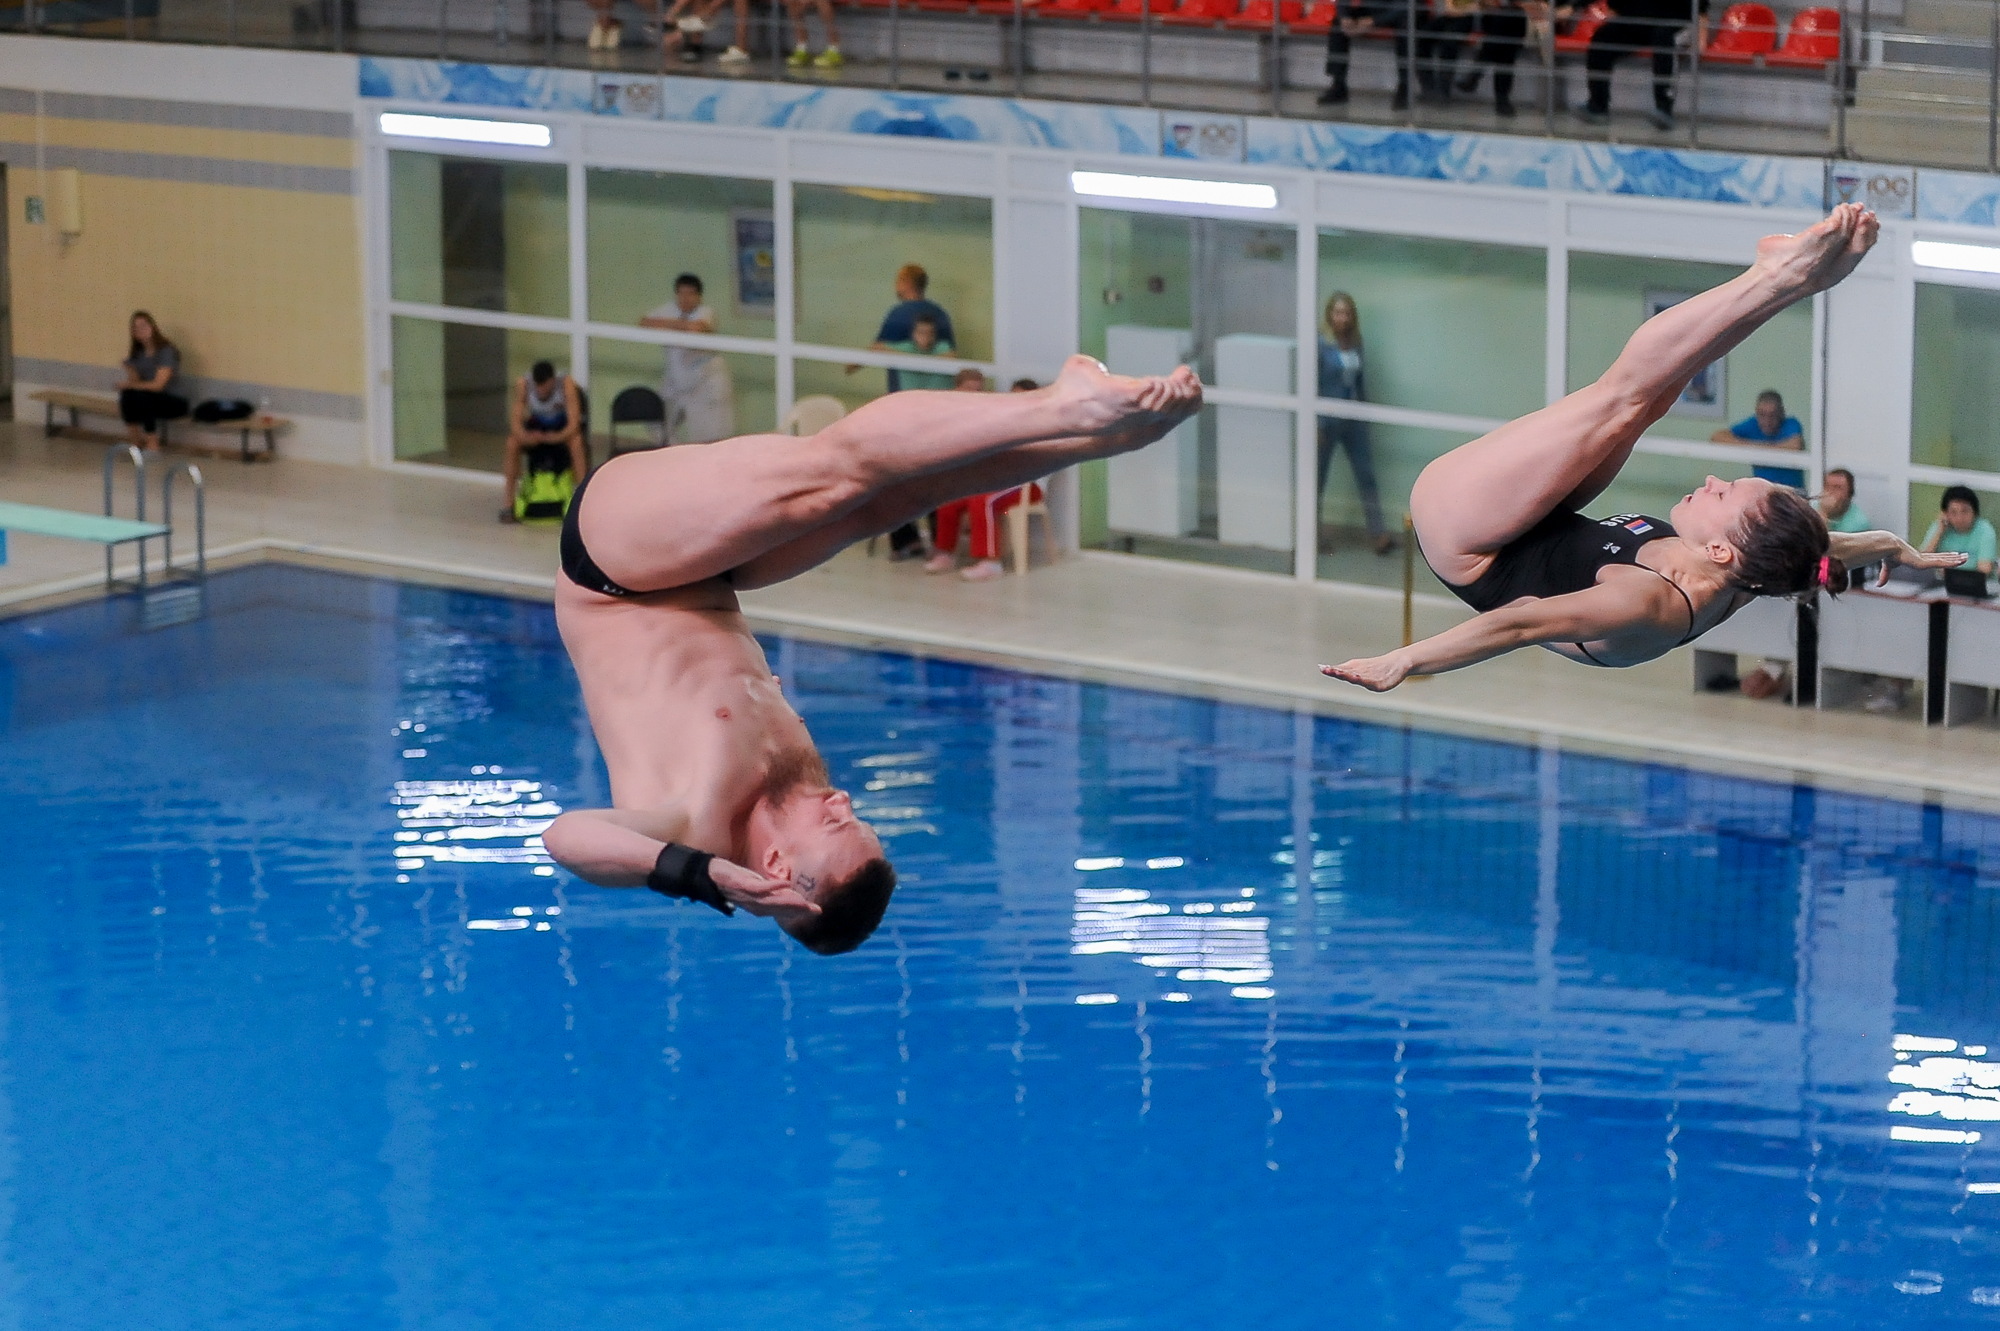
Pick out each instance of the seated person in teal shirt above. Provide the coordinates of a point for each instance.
(1960, 530)
(1770, 426)
(1836, 503)
(924, 341)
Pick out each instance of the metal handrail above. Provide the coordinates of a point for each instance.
(138, 459)
(193, 473)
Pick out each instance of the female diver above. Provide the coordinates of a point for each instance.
(1497, 518)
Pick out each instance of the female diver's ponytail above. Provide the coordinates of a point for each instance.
(1783, 547)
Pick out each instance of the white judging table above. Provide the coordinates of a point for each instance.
(1972, 660)
(1879, 633)
(1768, 627)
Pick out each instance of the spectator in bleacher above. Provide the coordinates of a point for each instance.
(1445, 34)
(152, 363)
(1960, 530)
(700, 395)
(802, 55)
(547, 409)
(1770, 426)
(982, 513)
(1341, 376)
(1364, 16)
(1836, 503)
(1639, 25)
(1503, 27)
(899, 325)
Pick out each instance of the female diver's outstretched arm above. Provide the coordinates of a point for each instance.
(1578, 617)
(1857, 548)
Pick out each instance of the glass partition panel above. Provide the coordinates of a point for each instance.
(1610, 295)
(478, 234)
(1218, 490)
(1438, 325)
(1365, 473)
(454, 385)
(1158, 291)
(851, 243)
(646, 228)
(1955, 421)
(687, 397)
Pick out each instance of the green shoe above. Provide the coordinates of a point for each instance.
(799, 58)
(830, 58)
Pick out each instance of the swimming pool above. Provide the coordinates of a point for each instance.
(300, 1028)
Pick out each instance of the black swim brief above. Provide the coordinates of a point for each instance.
(576, 560)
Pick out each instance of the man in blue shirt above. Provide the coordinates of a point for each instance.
(900, 323)
(1771, 427)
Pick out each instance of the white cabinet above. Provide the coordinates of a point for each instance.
(1253, 445)
(1154, 491)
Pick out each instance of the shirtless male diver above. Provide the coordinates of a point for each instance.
(717, 792)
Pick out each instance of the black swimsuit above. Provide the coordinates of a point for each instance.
(1561, 554)
(576, 560)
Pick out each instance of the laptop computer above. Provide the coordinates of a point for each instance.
(1968, 582)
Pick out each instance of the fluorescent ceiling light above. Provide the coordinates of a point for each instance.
(1962, 258)
(1173, 189)
(517, 133)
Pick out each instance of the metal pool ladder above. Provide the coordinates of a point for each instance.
(179, 598)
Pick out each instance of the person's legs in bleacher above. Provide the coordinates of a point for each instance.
(1611, 43)
(945, 529)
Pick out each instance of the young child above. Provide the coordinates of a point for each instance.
(924, 341)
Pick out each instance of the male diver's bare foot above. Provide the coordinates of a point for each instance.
(1094, 401)
(1824, 253)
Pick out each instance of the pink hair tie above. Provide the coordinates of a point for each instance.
(1825, 569)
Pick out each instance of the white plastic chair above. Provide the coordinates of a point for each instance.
(1017, 527)
(810, 415)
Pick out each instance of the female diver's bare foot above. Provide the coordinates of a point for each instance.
(1824, 253)
(1094, 401)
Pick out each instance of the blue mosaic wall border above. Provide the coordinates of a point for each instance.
(1484, 159)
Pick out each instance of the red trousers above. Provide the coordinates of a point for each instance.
(984, 511)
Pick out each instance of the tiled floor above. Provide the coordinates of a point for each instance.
(1099, 615)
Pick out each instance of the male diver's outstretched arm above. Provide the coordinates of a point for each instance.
(621, 848)
(1603, 611)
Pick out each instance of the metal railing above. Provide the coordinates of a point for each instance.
(1909, 81)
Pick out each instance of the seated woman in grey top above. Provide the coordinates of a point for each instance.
(150, 369)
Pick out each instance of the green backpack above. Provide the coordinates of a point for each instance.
(547, 482)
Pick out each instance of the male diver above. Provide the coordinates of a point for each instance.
(717, 792)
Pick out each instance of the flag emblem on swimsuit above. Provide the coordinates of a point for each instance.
(1638, 525)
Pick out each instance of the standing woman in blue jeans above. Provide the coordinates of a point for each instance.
(1340, 376)
(150, 369)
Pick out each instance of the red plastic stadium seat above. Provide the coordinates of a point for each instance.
(1071, 8)
(1577, 40)
(1131, 11)
(1746, 33)
(1004, 8)
(1204, 13)
(1256, 15)
(1813, 40)
(1317, 19)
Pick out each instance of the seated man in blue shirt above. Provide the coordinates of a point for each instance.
(1770, 426)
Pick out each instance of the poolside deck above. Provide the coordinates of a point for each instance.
(1099, 615)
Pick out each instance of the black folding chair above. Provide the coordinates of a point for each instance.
(637, 405)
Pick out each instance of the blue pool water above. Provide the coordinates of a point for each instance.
(298, 1029)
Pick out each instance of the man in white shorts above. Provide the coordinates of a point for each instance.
(701, 399)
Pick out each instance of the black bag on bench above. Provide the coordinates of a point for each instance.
(218, 409)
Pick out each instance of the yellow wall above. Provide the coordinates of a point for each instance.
(254, 285)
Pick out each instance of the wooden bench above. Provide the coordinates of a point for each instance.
(79, 405)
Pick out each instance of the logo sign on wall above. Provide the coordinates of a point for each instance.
(1890, 190)
(625, 95)
(756, 239)
(1201, 138)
